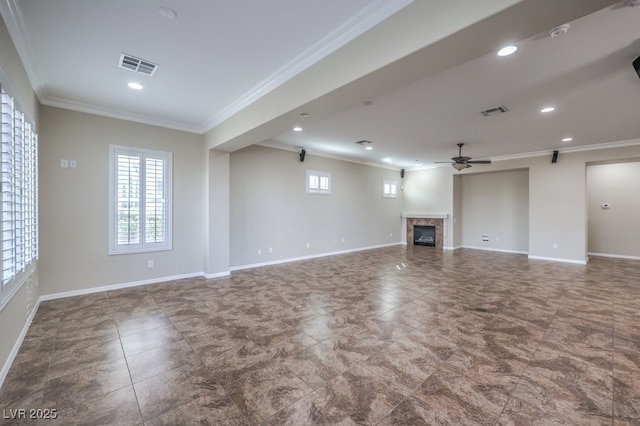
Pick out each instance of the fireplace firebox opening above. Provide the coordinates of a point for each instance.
(424, 235)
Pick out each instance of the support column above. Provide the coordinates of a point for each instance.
(217, 206)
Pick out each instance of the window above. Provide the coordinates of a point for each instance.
(389, 189)
(140, 200)
(318, 182)
(19, 207)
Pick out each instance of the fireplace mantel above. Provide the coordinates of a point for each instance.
(424, 215)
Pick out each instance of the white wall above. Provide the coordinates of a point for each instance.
(431, 191)
(614, 231)
(270, 209)
(496, 204)
(74, 202)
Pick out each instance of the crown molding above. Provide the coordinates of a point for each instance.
(569, 150)
(291, 148)
(112, 113)
(12, 16)
(376, 12)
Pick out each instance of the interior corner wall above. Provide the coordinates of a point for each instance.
(496, 205)
(270, 208)
(614, 230)
(74, 203)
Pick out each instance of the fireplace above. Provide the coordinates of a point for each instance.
(415, 222)
(424, 235)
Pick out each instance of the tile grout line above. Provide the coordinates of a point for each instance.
(133, 388)
(527, 366)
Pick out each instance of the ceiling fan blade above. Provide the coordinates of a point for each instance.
(443, 162)
(480, 162)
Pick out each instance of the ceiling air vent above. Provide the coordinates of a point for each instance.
(494, 111)
(141, 66)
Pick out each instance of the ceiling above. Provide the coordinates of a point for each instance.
(220, 60)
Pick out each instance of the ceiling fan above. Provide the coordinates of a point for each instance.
(461, 162)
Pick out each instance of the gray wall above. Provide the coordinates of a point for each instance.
(496, 204)
(614, 231)
(270, 209)
(74, 202)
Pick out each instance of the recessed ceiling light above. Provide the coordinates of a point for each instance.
(507, 50)
(135, 86)
(567, 139)
(387, 160)
(548, 109)
(297, 129)
(368, 148)
(167, 12)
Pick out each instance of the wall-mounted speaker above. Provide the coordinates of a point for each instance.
(401, 173)
(554, 158)
(636, 65)
(302, 154)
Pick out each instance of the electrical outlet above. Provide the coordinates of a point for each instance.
(308, 245)
(150, 264)
(64, 164)
(554, 245)
(270, 250)
(259, 251)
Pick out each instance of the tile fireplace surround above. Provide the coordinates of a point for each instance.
(438, 222)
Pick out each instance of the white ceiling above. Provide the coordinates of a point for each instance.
(218, 57)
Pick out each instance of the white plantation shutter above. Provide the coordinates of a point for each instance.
(19, 220)
(140, 206)
(128, 199)
(389, 188)
(318, 182)
(155, 200)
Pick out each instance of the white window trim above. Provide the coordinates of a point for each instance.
(142, 246)
(318, 190)
(389, 188)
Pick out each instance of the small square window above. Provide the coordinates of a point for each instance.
(389, 189)
(318, 182)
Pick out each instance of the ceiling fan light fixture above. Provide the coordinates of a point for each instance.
(460, 166)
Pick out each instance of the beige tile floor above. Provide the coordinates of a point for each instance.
(390, 336)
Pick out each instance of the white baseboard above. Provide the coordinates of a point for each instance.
(559, 259)
(217, 275)
(313, 256)
(615, 256)
(16, 347)
(117, 286)
(495, 249)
